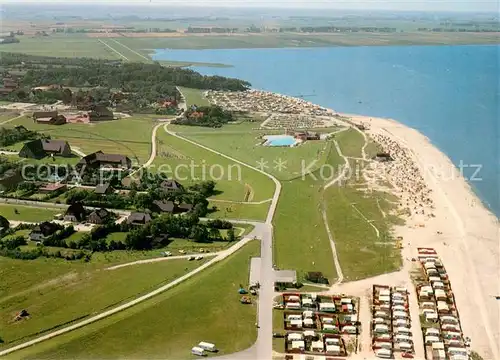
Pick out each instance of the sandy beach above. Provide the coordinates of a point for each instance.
(464, 233)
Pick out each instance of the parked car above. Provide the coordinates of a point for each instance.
(407, 355)
(199, 258)
(191, 258)
(278, 335)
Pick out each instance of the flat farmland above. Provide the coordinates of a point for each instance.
(189, 164)
(203, 308)
(127, 136)
(70, 46)
(240, 211)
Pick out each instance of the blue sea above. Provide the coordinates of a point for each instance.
(449, 93)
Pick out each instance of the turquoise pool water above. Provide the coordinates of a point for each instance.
(279, 140)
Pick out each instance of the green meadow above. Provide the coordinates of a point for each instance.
(127, 136)
(189, 164)
(75, 295)
(205, 307)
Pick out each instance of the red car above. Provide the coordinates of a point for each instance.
(407, 355)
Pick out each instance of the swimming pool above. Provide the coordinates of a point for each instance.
(280, 140)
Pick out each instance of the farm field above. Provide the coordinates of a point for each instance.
(26, 213)
(80, 45)
(361, 252)
(58, 302)
(205, 307)
(127, 136)
(194, 97)
(189, 164)
(280, 40)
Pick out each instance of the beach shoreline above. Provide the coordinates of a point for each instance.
(462, 229)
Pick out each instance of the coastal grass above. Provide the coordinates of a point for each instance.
(194, 97)
(300, 238)
(26, 213)
(350, 142)
(361, 253)
(203, 308)
(127, 136)
(189, 164)
(79, 294)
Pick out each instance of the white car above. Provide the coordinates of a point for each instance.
(199, 258)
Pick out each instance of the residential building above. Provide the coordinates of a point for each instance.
(138, 218)
(52, 187)
(103, 189)
(98, 216)
(99, 113)
(75, 212)
(100, 159)
(184, 207)
(164, 206)
(43, 231)
(10, 179)
(171, 185)
(38, 149)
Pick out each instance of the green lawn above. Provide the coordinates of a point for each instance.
(194, 97)
(350, 142)
(77, 295)
(26, 213)
(361, 253)
(204, 308)
(127, 136)
(239, 211)
(300, 238)
(189, 164)
(243, 143)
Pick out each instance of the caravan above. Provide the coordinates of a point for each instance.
(198, 351)
(207, 346)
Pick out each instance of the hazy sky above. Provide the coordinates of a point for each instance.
(425, 5)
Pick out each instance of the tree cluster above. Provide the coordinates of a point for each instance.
(10, 136)
(209, 116)
(140, 85)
